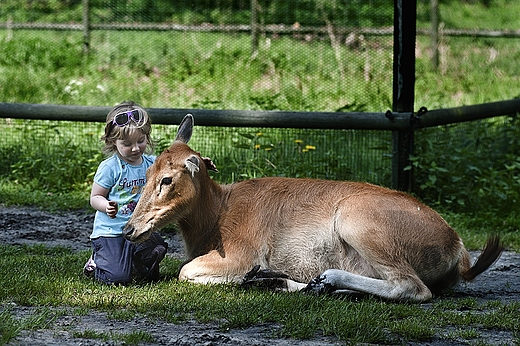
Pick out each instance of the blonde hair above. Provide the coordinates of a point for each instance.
(114, 132)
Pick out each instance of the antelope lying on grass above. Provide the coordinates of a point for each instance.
(321, 236)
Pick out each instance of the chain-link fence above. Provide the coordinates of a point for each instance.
(350, 43)
(250, 55)
(172, 43)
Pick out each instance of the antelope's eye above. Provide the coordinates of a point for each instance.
(166, 181)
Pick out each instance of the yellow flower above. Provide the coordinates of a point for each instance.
(258, 134)
(298, 141)
(310, 147)
(257, 146)
(268, 148)
(305, 150)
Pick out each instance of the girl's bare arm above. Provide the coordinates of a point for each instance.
(99, 201)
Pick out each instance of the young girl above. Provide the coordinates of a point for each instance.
(116, 190)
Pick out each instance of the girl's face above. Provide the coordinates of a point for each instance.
(131, 148)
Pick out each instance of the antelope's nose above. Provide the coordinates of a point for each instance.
(128, 231)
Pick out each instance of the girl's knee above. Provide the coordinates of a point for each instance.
(114, 277)
(151, 251)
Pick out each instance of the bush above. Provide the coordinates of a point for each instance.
(58, 165)
(472, 167)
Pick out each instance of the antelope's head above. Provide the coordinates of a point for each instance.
(173, 187)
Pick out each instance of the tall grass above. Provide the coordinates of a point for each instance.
(190, 70)
(58, 158)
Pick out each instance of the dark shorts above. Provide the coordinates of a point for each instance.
(118, 261)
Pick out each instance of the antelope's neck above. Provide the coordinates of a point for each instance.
(200, 228)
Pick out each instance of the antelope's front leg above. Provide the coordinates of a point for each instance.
(267, 278)
(213, 268)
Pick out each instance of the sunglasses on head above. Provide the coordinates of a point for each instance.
(123, 118)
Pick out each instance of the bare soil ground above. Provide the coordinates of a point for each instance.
(23, 225)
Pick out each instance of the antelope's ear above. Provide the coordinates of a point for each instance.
(185, 129)
(192, 164)
(209, 164)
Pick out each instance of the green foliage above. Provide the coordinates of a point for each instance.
(472, 14)
(266, 150)
(472, 167)
(185, 71)
(39, 55)
(307, 12)
(32, 11)
(487, 14)
(67, 168)
(57, 166)
(415, 328)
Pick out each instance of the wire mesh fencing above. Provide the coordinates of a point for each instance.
(304, 55)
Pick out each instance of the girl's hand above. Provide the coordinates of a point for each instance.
(111, 209)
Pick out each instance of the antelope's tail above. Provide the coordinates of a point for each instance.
(489, 255)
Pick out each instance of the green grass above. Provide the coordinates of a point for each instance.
(45, 277)
(132, 338)
(10, 327)
(187, 70)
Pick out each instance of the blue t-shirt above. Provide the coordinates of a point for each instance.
(125, 183)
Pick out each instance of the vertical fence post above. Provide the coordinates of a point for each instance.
(86, 26)
(434, 32)
(403, 89)
(254, 27)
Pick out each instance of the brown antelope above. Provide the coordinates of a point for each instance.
(321, 236)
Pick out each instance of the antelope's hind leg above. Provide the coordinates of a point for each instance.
(409, 288)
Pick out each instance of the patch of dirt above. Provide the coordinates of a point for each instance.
(24, 225)
(67, 327)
